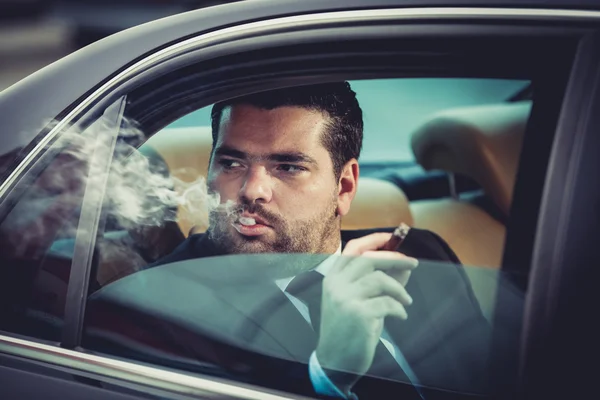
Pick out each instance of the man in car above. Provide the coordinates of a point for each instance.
(284, 164)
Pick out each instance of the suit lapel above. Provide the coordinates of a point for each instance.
(414, 335)
(422, 338)
(271, 323)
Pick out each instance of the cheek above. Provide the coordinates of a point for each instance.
(226, 188)
(304, 201)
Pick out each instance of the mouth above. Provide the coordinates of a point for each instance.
(251, 225)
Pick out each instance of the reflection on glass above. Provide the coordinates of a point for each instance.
(240, 314)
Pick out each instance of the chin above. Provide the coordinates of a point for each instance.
(250, 245)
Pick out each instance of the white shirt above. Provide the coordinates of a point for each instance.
(319, 379)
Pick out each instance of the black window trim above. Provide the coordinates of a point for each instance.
(89, 223)
(120, 372)
(562, 299)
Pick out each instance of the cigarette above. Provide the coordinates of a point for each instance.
(397, 238)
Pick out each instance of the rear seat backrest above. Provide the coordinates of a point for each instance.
(186, 151)
(483, 143)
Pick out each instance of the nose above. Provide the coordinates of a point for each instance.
(257, 186)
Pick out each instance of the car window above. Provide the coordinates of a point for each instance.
(160, 294)
(463, 137)
(40, 226)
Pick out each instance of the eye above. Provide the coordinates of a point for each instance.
(290, 168)
(229, 164)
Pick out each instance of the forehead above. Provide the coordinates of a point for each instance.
(282, 128)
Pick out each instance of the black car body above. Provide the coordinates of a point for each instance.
(159, 71)
(94, 20)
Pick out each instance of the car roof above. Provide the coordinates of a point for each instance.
(52, 89)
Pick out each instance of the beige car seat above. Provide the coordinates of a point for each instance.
(483, 143)
(186, 151)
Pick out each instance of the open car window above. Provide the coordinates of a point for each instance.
(221, 315)
(140, 202)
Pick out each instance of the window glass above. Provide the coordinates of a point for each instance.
(235, 303)
(39, 227)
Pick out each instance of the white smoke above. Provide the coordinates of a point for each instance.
(138, 190)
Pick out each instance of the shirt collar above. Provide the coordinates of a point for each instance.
(323, 268)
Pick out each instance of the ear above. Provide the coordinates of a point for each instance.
(347, 186)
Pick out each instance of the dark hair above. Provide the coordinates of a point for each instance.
(343, 139)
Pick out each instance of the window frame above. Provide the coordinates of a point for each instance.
(90, 222)
(218, 92)
(564, 262)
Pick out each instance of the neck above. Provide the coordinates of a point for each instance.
(333, 245)
(331, 237)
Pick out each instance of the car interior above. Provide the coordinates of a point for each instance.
(481, 143)
(458, 184)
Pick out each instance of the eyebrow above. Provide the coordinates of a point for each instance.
(290, 157)
(230, 152)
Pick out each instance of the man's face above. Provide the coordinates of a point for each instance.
(272, 167)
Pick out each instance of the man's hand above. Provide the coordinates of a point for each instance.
(358, 293)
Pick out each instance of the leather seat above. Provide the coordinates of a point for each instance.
(483, 143)
(186, 152)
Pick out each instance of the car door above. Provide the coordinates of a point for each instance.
(198, 71)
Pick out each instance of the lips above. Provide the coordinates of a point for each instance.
(251, 225)
(251, 219)
(247, 221)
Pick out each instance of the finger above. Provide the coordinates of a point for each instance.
(393, 256)
(353, 268)
(401, 276)
(381, 307)
(342, 263)
(399, 270)
(374, 241)
(379, 284)
(357, 267)
(391, 262)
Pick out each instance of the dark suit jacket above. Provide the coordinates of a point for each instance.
(218, 312)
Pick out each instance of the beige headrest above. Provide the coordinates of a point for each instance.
(186, 152)
(482, 142)
(377, 204)
(184, 148)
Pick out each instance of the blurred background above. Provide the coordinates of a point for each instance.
(34, 33)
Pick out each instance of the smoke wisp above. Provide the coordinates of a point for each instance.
(139, 191)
